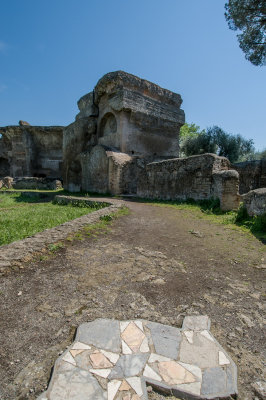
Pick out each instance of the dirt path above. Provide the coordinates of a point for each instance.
(149, 265)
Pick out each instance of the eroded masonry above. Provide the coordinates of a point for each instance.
(125, 140)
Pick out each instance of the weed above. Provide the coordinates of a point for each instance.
(55, 246)
(106, 218)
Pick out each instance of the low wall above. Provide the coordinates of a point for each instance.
(37, 183)
(30, 183)
(252, 175)
(255, 202)
(198, 177)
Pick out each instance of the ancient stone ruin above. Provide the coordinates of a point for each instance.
(123, 124)
(125, 140)
(31, 151)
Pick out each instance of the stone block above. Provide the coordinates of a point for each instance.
(255, 201)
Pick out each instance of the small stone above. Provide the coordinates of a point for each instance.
(158, 281)
(19, 293)
(259, 388)
(246, 320)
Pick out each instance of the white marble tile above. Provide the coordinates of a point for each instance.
(189, 336)
(150, 373)
(207, 335)
(135, 383)
(112, 389)
(144, 348)
(123, 325)
(156, 357)
(125, 348)
(139, 325)
(223, 360)
(193, 388)
(113, 357)
(80, 346)
(68, 358)
(196, 371)
(101, 372)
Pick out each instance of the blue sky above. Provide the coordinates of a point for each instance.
(53, 51)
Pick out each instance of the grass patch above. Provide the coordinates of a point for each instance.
(210, 209)
(22, 216)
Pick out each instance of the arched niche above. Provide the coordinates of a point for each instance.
(108, 125)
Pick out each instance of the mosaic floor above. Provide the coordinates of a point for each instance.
(115, 360)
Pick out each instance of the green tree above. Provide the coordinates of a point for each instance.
(216, 140)
(249, 16)
(198, 144)
(188, 131)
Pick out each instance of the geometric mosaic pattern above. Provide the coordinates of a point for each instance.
(115, 360)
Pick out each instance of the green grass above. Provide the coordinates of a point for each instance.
(22, 216)
(210, 209)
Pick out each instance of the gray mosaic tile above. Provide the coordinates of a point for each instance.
(213, 381)
(166, 339)
(76, 384)
(129, 365)
(103, 333)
